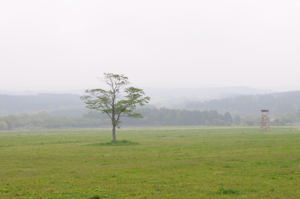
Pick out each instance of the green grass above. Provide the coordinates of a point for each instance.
(117, 143)
(166, 163)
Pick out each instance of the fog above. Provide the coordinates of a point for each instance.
(67, 44)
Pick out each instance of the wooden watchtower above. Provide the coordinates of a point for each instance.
(265, 120)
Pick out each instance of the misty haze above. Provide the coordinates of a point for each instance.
(149, 99)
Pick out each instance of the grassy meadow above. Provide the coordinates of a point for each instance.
(162, 163)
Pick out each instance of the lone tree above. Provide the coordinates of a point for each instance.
(118, 100)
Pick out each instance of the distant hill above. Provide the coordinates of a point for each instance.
(175, 97)
(71, 105)
(66, 104)
(278, 103)
(235, 103)
(68, 111)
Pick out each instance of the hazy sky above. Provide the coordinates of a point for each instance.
(67, 44)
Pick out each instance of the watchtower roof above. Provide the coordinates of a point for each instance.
(264, 110)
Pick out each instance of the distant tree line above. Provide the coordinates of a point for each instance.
(152, 117)
(44, 120)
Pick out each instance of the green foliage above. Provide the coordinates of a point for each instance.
(116, 101)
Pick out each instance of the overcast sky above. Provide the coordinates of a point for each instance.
(67, 44)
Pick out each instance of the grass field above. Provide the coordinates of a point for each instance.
(165, 163)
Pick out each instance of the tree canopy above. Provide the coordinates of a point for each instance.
(117, 100)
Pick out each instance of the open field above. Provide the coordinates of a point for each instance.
(166, 163)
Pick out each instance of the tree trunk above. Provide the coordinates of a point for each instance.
(114, 136)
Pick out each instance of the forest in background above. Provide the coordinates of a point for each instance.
(49, 111)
